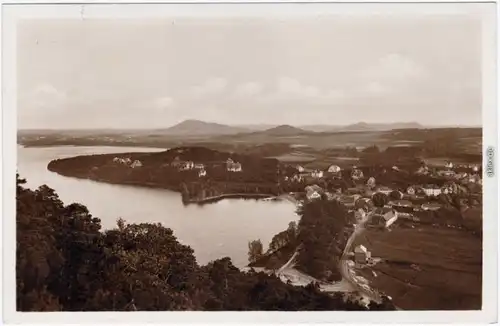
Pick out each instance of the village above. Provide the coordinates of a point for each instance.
(462, 181)
(457, 185)
(180, 165)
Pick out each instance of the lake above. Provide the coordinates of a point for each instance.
(214, 231)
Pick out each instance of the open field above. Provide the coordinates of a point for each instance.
(441, 161)
(426, 268)
(296, 157)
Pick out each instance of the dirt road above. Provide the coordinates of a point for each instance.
(346, 272)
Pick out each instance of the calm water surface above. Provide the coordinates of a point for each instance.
(213, 231)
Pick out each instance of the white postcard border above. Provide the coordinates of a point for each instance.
(11, 13)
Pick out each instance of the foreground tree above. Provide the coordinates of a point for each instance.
(322, 234)
(255, 250)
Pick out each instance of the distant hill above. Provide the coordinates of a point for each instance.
(284, 130)
(320, 128)
(256, 127)
(363, 126)
(199, 128)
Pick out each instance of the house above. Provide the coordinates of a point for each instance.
(447, 173)
(300, 168)
(202, 173)
(188, 165)
(448, 165)
(354, 191)
(294, 178)
(361, 254)
(449, 188)
(199, 166)
(395, 168)
(475, 168)
(313, 188)
(359, 214)
(334, 168)
(356, 174)
(234, 167)
(430, 206)
(431, 190)
(330, 196)
(119, 160)
(136, 164)
(384, 190)
(401, 203)
(364, 203)
(404, 207)
(313, 192)
(317, 174)
(312, 195)
(176, 162)
(371, 182)
(384, 217)
(474, 179)
(348, 200)
(423, 170)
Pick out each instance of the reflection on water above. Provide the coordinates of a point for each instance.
(213, 231)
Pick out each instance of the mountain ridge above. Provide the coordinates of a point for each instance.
(193, 127)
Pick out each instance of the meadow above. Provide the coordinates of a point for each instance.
(426, 268)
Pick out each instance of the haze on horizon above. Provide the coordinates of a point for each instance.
(336, 70)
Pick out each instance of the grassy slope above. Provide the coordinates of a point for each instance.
(448, 273)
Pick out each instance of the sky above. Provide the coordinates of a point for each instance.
(332, 70)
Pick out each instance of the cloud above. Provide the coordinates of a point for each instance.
(47, 90)
(210, 86)
(394, 68)
(45, 97)
(376, 88)
(390, 75)
(248, 89)
(163, 102)
(290, 88)
(335, 94)
(289, 85)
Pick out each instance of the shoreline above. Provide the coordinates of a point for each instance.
(214, 199)
(208, 200)
(131, 145)
(122, 183)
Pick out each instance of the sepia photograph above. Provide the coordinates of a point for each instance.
(258, 158)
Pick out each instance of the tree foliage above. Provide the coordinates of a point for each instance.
(66, 263)
(255, 250)
(379, 199)
(322, 234)
(395, 195)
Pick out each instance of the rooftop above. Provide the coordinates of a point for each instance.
(361, 249)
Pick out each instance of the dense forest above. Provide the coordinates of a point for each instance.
(258, 175)
(319, 239)
(323, 231)
(65, 262)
